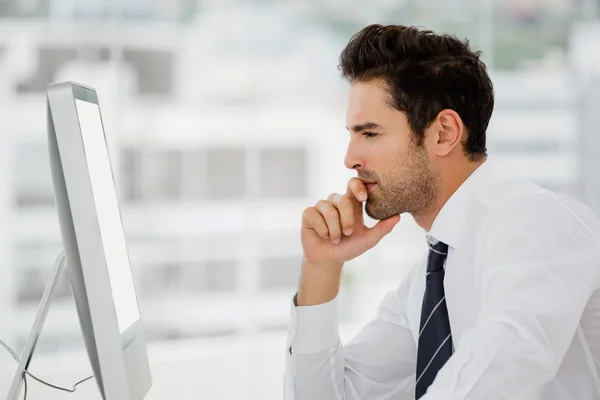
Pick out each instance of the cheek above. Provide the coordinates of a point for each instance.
(429, 150)
(387, 157)
(430, 143)
(426, 154)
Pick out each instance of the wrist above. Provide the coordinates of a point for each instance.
(319, 283)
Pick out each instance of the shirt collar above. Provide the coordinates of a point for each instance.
(450, 221)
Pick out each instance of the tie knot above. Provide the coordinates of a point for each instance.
(437, 256)
(439, 247)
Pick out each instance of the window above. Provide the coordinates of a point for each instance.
(225, 174)
(191, 278)
(19, 8)
(193, 177)
(279, 272)
(162, 174)
(129, 176)
(211, 276)
(51, 60)
(159, 280)
(221, 275)
(283, 173)
(97, 9)
(30, 286)
(32, 175)
(32, 281)
(154, 69)
(150, 175)
(213, 173)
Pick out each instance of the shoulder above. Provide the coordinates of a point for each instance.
(521, 211)
(515, 199)
(507, 193)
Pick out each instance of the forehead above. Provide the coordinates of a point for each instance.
(367, 101)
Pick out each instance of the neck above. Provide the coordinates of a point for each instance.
(450, 183)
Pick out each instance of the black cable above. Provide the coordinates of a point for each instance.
(27, 373)
(25, 390)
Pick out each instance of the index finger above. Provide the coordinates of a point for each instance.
(356, 190)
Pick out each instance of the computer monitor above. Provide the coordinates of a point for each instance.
(94, 245)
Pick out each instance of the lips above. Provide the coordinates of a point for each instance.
(370, 185)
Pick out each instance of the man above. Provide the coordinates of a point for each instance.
(507, 306)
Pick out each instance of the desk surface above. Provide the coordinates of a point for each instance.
(216, 369)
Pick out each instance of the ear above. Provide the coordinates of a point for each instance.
(450, 130)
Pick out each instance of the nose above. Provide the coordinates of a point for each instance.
(353, 160)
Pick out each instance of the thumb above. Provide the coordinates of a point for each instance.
(382, 228)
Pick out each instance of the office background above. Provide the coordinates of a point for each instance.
(225, 119)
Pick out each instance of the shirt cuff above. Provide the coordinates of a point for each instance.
(316, 328)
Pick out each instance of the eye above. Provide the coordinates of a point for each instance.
(369, 135)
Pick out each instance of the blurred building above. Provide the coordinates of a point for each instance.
(224, 120)
(214, 163)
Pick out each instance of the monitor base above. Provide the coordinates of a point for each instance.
(38, 324)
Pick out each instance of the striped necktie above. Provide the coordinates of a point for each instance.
(435, 338)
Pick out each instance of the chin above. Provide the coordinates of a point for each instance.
(378, 213)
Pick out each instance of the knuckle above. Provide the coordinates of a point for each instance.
(335, 198)
(321, 203)
(345, 202)
(308, 211)
(331, 213)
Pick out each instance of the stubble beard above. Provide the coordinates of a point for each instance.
(410, 187)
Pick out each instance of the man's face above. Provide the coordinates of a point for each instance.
(383, 151)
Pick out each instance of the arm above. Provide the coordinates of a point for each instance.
(378, 363)
(537, 266)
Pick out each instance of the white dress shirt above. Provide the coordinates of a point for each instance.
(522, 287)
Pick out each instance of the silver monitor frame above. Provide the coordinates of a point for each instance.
(119, 361)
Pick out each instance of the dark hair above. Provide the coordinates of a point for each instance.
(425, 73)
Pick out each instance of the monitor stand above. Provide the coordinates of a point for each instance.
(57, 270)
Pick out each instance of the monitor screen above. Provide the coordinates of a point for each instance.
(109, 219)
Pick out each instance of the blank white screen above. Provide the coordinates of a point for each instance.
(109, 219)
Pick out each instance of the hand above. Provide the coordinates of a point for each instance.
(333, 231)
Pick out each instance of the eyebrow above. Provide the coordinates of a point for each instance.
(364, 126)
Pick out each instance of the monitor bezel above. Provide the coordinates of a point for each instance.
(84, 93)
(111, 353)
